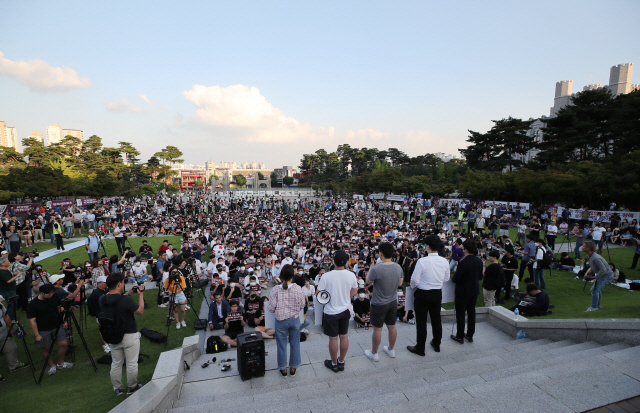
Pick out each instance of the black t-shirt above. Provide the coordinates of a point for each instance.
(45, 312)
(125, 309)
(253, 305)
(493, 277)
(568, 261)
(361, 307)
(61, 293)
(237, 293)
(535, 230)
(509, 263)
(94, 305)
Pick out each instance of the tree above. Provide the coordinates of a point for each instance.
(287, 180)
(502, 147)
(35, 150)
(240, 180)
(130, 153)
(274, 179)
(261, 176)
(72, 146)
(9, 155)
(93, 144)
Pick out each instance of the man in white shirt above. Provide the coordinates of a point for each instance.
(341, 285)
(598, 236)
(430, 273)
(118, 234)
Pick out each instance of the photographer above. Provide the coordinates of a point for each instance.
(176, 284)
(129, 347)
(8, 284)
(39, 278)
(57, 281)
(6, 340)
(22, 284)
(94, 304)
(92, 244)
(44, 316)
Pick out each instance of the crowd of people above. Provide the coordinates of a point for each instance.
(257, 254)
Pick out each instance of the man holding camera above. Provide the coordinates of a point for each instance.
(129, 346)
(22, 284)
(8, 284)
(44, 317)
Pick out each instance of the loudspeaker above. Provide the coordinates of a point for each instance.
(250, 355)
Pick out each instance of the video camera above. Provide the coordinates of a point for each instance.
(33, 254)
(175, 275)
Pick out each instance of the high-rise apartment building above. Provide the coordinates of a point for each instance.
(56, 134)
(37, 136)
(9, 136)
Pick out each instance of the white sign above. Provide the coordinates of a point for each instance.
(398, 198)
(356, 196)
(376, 196)
(448, 295)
(318, 310)
(270, 318)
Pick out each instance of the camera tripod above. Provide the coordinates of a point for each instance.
(192, 272)
(66, 316)
(21, 334)
(101, 245)
(567, 239)
(172, 307)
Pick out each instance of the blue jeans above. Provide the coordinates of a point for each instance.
(520, 238)
(142, 279)
(577, 251)
(538, 277)
(69, 232)
(494, 232)
(92, 256)
(289, 327)
(305, 324)
(53, 238)
(596, 289)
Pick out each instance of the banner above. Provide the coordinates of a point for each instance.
(88, 201)
(376, 196)
(397, 198)
(524, 206)
(454, 201)
(18, 208)
(106, 200)
(606, 215)
(355, 196)
(60, 203)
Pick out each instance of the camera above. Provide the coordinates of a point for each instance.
(175, 275)
(129, 254)
(33, 254)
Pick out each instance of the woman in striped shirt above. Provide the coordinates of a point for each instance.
(286, 301)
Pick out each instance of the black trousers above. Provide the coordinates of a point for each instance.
(635, 260)
(23, 291)
(523, 265)
(508, 276)
(465, 304)
(551, 241)
(59, 242)
(427, 302)
(120, 244)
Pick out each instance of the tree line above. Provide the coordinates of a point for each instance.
(74, 167)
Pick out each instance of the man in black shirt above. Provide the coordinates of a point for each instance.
(537, 308)
(466, 278)
(129, 346)
(94, 304)
(57, 281)
(509, 266)
(493, 279)
(534, 230)
(43, 313)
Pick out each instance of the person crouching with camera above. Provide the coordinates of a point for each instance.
(176, 286)
(126, 346)
(44, 315)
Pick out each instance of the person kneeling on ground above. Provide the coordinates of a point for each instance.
(537, 308)
(361, 307)
(233, 325)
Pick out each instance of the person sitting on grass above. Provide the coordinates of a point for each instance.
(233, 325)
(626, 238)
(566, 263)
(538, 307)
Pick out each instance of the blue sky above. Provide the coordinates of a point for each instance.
(269, 81)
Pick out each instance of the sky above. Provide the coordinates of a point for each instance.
(268, 81)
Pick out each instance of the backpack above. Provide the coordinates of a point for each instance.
(215, 345)
(547, 257)
(112, 326)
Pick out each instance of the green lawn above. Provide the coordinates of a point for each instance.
(80, 389)
(569, 299)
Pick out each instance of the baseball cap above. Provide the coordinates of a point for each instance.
(102, 279)
(340, 258)
(55, 278)
(91, 230)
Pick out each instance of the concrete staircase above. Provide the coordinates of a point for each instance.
(496, 373)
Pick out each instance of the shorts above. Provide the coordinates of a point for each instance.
(336, 324)
(77, 224)
(383, 314)
(180, 298)
(233, 334)
(47, 337)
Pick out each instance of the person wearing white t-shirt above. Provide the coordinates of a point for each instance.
(341, 285)
(552, 232)
(598, 236)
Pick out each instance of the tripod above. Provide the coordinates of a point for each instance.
(66, 317)
(101, 245)
(567, 239)
(173, 304)
(193, 273)
(21, 334)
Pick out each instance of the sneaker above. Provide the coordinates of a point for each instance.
(118, 392)
(20, 367)
(412, 321)
(577, 278)
(134, 389)
(591, 309)
(177, 326)
(52, 370)
(390, 353)
(333, 367)
(163, 305)
(184, 324)
(186, 307)
(304, 330)
(371, 355)
(340, 365)
(64, 365)
(106, 348)
(292, 372)
(283, 373)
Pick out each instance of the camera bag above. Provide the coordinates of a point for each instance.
(201, 324)
(215, 345)
(154, 336)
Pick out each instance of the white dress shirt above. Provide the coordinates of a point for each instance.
(431, 272)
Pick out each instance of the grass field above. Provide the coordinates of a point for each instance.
(80, 389)
(569, 299)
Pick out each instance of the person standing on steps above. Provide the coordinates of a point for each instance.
(341, 285)
(466, 279)
(386, 277)
(431, 272)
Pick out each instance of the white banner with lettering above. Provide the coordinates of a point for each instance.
(605, 215)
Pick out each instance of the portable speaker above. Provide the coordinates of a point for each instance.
(250, 355)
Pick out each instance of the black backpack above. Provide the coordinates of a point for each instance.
(547, 257)
(215, 345)
(112, 326)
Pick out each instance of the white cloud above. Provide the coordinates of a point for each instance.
(242, 111)
(39, 75)
(146, 99)
(122, 105)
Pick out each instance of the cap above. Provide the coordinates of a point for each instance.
(91, 230)
(55, 278)
(340, 258)
(5, 252)
(102, 279)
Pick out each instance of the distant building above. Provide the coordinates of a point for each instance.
(285, 171)
(37, 136)
(445, 157)
(9, 136)
(192, 180)
(187, 167)
(55, 134)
